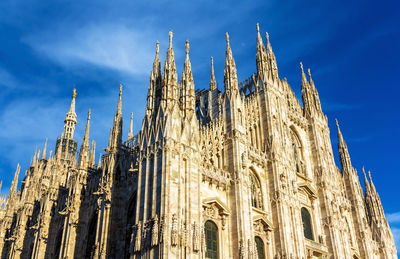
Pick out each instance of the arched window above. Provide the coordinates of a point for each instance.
(256, 194)
(307, 227)
(130, 222)
(91, 237)
(296, 152)
(260, 248)
(211, 233)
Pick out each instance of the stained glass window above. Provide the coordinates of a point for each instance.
(307, 227)
(211, 233)
(260, 248)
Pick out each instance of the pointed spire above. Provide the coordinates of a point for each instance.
(366, 183)
(230, 74)
(99, 163)
(343, 152)
(213, 83)
(116, 130)
(170, 78)
(14, 183)
(34, 157)
(187, 85)
(303, 76)
(84, 151)
(261, 56)
(311, 81)
(372, 183)
(273, 68)
(44, 150)
(119, 107)
(154, 91)
(130, 133)
(92, 154)
(70, 119)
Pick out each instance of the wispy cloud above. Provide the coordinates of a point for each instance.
(7, 79)
(111, 46)
(334, 107)
(393, 217)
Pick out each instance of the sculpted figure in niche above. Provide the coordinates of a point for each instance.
(174, 230)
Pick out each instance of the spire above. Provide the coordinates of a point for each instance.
(34, 157)
(154, 91)
(303, 76)
(311, 81)
(44, 150)
(119, 107)
(116, 131)
(130, 133)
(99, 163)
(92, 154)
(366, 183)
(84, 151)
(70, 119)
(261, 56)
(170, 78)
(14, 183)
(314, 91)
(372, 183)
(230, 74)
(343, 152)
(272, 66)
(213, 83)
(187, 84)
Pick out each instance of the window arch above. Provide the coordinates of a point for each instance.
(307, 226)
(211, 233)
(260, 248)
(296, 151)
(255, 191)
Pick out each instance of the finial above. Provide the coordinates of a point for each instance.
(309, 73)
(170, 38)
(267, 36)
(258, 28)
(227, 38)
(187, 47)
(120, 89)
(157, 47)
(301, 65)
(74, 93)
(130, 133)
(44, 150)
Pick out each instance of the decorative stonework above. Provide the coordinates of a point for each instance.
(250, 165)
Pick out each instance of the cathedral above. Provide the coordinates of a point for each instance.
(244, 173)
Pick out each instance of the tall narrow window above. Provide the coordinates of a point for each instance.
(260, 248)
(211, 233)
(307, 226)
(256, 194)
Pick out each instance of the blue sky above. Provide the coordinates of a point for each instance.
(352, 48)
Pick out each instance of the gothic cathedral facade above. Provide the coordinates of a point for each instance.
(244, 173)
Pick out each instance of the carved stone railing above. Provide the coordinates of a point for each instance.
(216, 176)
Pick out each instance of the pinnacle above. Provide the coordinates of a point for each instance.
(187, 47)
(170, 38)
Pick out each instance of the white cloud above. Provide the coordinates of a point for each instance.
(393, 218)
(6, 79)
(106, 45)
